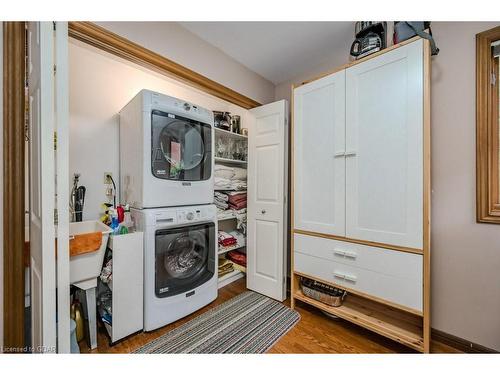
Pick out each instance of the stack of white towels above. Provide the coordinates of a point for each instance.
(229, 178)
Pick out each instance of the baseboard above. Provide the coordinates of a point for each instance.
(459, 343)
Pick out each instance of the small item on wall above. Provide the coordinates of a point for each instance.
(77, 199)
(371, 36)
(244, 131)
(404, 30)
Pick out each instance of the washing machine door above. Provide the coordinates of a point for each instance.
(181, 148)
(184, 258)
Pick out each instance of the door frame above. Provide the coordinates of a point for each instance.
(14, 54)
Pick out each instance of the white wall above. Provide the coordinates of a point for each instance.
(283, 90)
(1, 189)
(180, 45)
(100, 86)
(465, 254)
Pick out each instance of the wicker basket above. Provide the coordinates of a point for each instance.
(324, 293)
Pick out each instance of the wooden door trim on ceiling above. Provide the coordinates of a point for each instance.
(117, 45)
(13, 184)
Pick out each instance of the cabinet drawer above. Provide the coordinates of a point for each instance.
(400, 290)
(385, 261)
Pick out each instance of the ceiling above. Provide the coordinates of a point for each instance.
(278, 51)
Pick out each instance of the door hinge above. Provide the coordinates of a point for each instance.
(54, 25)
(493, 79)
(55, 69)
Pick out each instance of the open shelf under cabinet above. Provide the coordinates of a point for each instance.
(385, 320)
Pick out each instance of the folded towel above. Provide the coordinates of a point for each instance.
(235, 199)
(230, 173)
(225, 239)
(240, 174)
(221, 196)
(238, 205)
(220, 204)
(237, 257)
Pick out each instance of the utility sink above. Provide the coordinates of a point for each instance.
(87, 252)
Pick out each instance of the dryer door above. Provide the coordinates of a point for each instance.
(181, 148)
(184, 258)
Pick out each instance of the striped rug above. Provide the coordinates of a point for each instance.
(247, 323)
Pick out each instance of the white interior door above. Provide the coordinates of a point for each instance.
(319, 160)
(44, 118)
(384, 163)
(267, 190)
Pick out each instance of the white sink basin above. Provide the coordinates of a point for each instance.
(87, 267)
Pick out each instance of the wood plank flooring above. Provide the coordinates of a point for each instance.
(315, 333)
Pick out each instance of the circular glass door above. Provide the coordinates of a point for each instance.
(180, 148)
(184, 258)
(186, 255)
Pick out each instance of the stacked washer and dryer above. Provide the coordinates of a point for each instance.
(166, 175)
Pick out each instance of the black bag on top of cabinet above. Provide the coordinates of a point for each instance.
(404, 30)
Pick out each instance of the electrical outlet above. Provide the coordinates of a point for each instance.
(107, 180)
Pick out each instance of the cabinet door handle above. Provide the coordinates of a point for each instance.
(339, 154)
(263, 212)
(350, 153)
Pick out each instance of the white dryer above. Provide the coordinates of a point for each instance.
(166, 152)
(180, 261)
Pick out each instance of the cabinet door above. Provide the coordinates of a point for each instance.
(319, 163)
(384, 148)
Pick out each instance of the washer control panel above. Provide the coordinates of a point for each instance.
(192, 214)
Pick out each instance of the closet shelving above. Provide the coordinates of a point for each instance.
(228, 134)
(227, 221)
(230, 161)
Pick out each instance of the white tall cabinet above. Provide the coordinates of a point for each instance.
(361, 190)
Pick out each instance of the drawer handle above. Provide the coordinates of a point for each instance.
(338, 252)
(351, 278)
(345, 254)
(350, 254)
(339, 275)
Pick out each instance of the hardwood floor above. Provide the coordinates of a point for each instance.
(315, 333)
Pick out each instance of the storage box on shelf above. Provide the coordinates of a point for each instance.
(126, 252)
(361, 204)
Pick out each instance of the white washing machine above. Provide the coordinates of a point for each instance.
(166, 156)
(180, 261)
